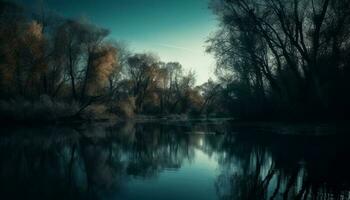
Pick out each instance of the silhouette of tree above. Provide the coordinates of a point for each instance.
(282, 55)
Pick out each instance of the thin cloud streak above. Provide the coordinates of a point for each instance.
(176, 47)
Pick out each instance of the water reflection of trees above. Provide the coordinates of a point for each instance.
(264, 166)
(84, 163)
(94, 161)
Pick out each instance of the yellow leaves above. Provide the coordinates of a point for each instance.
(23, 54)
(103, 64)
(33, 38)
(34, 43)
(35, 30)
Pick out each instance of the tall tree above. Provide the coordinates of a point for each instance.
(279, 48)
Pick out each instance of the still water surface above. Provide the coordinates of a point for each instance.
(187, 160)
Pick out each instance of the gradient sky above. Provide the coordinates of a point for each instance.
(175, 30)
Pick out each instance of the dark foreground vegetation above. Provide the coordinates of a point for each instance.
(284, 58)
(276, 59)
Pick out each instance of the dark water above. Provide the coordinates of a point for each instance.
(187, 160)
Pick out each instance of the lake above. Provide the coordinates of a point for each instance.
(202, 160)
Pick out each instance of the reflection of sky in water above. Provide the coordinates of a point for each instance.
(193, 180)
(152, 161)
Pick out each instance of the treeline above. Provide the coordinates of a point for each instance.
(283, 58)
(65, 67)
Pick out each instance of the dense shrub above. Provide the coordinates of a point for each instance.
(44, 109)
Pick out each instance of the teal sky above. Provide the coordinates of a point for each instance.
(175, 30)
